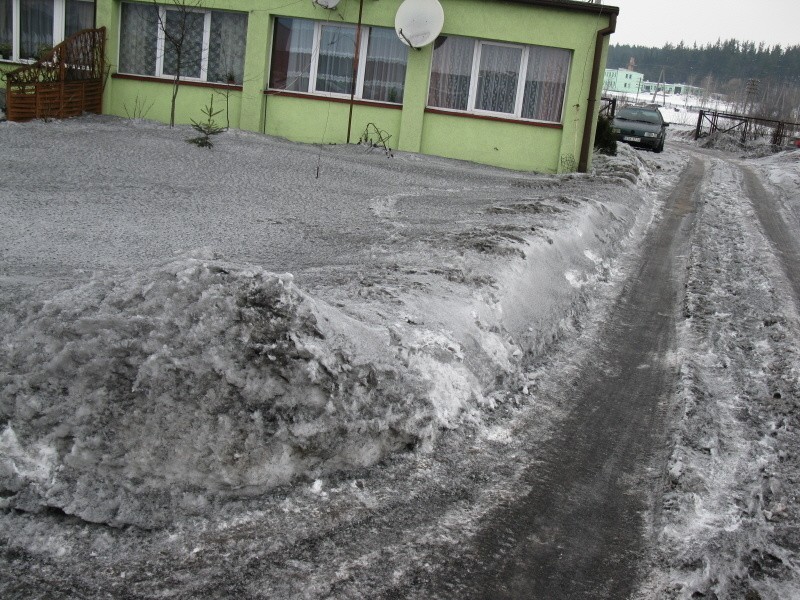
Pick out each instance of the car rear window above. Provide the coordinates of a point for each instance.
(640, 114)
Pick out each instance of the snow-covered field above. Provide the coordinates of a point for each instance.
(676, 109)
(213, 343)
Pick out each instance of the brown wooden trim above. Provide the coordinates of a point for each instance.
(374, 103)
(466, 115)
(205, 84)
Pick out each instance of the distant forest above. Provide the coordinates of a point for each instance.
(756, 79)
(722, 61)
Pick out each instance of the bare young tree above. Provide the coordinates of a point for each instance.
(179, 23)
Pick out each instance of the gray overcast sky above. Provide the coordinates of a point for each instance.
(656, 22)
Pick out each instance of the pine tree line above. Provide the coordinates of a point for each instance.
(723, 61)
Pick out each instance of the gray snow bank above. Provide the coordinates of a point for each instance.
(782, 171)
(149, 392)
(132, 398)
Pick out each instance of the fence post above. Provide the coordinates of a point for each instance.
(699, 125)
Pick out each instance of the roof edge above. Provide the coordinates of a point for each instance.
(573, 5)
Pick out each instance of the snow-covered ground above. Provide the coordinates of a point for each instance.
(219, 345)
(184, 326)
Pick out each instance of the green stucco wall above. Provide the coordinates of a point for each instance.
(513, 145)
(5, 67)
(153, 100)
(501, 144)
(324, 122)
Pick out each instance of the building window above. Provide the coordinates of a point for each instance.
(320, 58)
(29, 28)
(337, 54)
(211, 43)
(510, 80)
(498, 78)
(36, 23)
(78, 15)
(7, 29)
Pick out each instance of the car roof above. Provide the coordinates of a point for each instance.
(649, 109)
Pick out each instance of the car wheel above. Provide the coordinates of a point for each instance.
(660, 147)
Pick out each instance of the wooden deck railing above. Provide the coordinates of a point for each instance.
(65, 82)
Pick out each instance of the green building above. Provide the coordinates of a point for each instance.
(511, 83)
(623, 81)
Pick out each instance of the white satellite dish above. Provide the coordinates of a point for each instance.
(419, 22)
(327, 3)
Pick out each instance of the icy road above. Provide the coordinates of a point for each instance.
(476, 384)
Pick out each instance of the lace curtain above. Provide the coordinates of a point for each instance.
(139, 29)
(291, 55)
(6, 29)
(385, 67)
(497, 87)
(498, 76)
(450, 72)
(186, 29)
(336, 55)
(545, 83)
(35, 27)
(79, 15)
(36, 19)
(226, 47)
(138, 36)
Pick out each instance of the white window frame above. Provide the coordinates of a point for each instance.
(361, 67)
(59, 17)
(520, 93)
(476, 69)
(316, 45)
(161, 42)
(205, 51)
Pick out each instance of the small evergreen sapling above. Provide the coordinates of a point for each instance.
(604, 140)
(207, 128)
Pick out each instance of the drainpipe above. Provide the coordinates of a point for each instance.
(583, 163)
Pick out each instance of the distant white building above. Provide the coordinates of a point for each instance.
(623, 81)
(679, 89)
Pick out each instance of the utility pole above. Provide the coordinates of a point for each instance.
(752, 90)
(660, 80)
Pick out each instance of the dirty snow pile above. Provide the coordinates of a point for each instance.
(782, 171)
(136, 395)
(147, 392)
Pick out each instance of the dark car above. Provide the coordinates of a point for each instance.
(640, 126)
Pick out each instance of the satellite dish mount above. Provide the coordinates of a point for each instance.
(331, 4)
(419, 22)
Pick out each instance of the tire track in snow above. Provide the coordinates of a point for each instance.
(728, 518)
(771, 216)
(579, 533)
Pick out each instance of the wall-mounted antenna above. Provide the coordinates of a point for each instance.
(419, 22)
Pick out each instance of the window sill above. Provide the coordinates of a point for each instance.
(339, 99)
(468, 115)
(190, 82)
